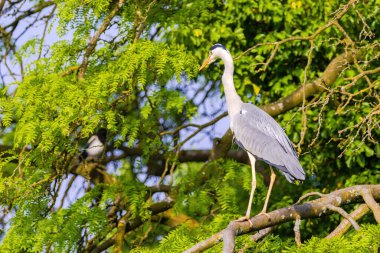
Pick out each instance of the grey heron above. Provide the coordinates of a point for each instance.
(256, 131)
(95, 145)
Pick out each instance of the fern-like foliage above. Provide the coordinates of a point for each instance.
(55, 112)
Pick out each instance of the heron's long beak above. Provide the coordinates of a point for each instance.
(205, 63)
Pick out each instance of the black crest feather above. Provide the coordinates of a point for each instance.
(217, 45)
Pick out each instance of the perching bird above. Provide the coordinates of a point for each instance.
(95, 145)
(255, 131)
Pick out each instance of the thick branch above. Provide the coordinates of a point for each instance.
(195, 155)
(93, 172)
(371, 203)
(328, 77)
(312, 209)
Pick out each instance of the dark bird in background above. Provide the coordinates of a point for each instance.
(256, 131)
(95, 146)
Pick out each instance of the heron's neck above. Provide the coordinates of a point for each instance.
(233, 99)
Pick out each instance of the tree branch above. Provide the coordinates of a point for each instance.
(119, 237)
(344, 214)
(92, 44)
(371, 203)
(196, 155)
(156, 208)
(297, 231)
(313, 209)
(262, 233)
(92, 171)
(345, 224)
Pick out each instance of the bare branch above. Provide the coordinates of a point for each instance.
(140, 23)
(313, 209)
(310, 194)
(297, 231)
(94, 172)
(368, 197)
(210, 123)
(196, 125)
(262, 233)
(345, 224)
(72, 179)
(344, 214)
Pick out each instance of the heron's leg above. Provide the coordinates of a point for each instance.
(272, 178)
(253, 187)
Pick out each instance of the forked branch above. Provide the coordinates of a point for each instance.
(312, 209)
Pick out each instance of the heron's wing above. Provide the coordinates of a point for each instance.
(262, 136)
(258, 121)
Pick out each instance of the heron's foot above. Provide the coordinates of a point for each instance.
(245, 218)
(264, 213)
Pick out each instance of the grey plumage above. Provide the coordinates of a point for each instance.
(260, 135)
(255, 131)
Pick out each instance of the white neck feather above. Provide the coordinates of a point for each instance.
(233, 100)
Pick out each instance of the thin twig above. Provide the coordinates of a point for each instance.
(196, 125)
(210, 123)
(321, 195)
(92, 44)
(72, 179)
(261, 234)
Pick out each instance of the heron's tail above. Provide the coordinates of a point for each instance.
(292, 170)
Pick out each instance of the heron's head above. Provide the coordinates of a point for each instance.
(215, 52)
